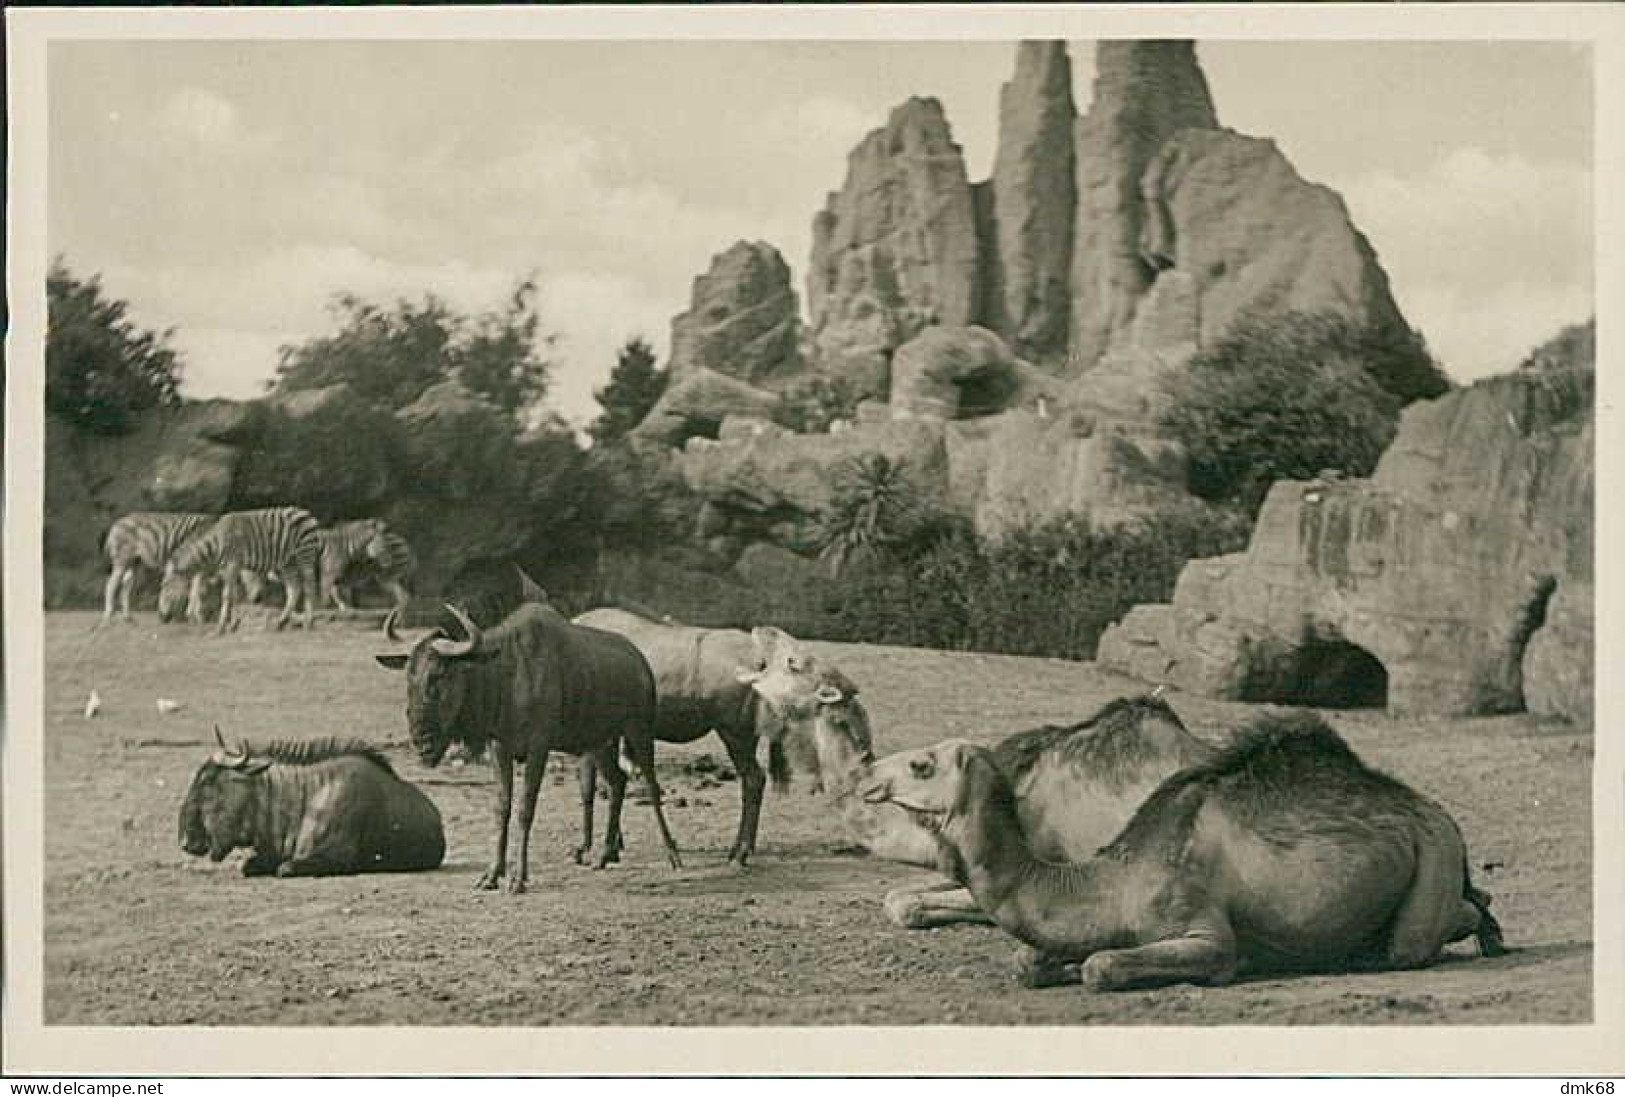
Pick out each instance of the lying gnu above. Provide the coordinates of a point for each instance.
(1283, 852)
(324, 807)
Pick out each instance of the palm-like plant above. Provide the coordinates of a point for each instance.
(874, 504)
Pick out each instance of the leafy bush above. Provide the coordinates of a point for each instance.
(1289, 396)
(337, 460)
(101, 371)
(1048, 589)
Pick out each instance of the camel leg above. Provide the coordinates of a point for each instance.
(1205, 955)
(752, 783)
(610, 766)
(1437, 909)
(1040, 970)
(587, 778)
(502, 766)
(927, 906)
(535, 768)
(641, 748)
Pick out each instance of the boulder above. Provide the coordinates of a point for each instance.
(1428, 588)
(698, 403)
(895, 250)
(1144, 93)
(742, 320)
(1034, 468)
(953, 372)
(774, 485)
(1028, 251)
(1558, 671)
(771, 567)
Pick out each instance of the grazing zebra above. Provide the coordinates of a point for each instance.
(144, 540)
(366, 545)
(352, 551)
(279, 539)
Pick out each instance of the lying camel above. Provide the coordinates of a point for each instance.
(1282, 852)
(1075, 786)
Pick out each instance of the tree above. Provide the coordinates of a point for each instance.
(101, 371)
(504, 355)
(392, 355)
(1283, 398)
(635, 385)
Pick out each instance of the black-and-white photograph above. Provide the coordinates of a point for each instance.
(1019, 529)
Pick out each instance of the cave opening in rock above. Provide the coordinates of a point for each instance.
(985, 392)
(699, 426)
(1321, 673)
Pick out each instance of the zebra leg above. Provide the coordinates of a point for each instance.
(228, 587)
(397, 591)
(194, 600)
(290, 584)
(310, 588)
(126, 588)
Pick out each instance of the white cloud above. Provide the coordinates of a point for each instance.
(1488, 254)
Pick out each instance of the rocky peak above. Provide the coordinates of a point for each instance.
(895, 249)
(742, 319)
(1029, 248)
(1144, 93)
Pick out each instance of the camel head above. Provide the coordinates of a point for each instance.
(930, 784)
(785, 674)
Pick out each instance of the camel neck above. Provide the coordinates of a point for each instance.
(1054, 907)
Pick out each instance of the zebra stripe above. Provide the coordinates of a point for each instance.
(276, 539)
(144, 540)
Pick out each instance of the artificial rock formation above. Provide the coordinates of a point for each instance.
(1144, 93)
(1428, 588)
(698, 402)
(895, 250)
(1029, 246)
(742, 319)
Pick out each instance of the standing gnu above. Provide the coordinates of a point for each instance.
(321, 807)
(534, 684)
(278, 539)
(146, 540)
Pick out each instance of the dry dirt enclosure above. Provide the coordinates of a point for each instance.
(138, 933)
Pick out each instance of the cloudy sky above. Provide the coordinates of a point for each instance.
(228, 189)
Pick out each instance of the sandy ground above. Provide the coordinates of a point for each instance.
(138, 933)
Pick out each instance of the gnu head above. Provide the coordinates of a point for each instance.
(437, 671)
(217, 814)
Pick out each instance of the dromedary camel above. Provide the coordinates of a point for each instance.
(1283, 852)
(1075, 786)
